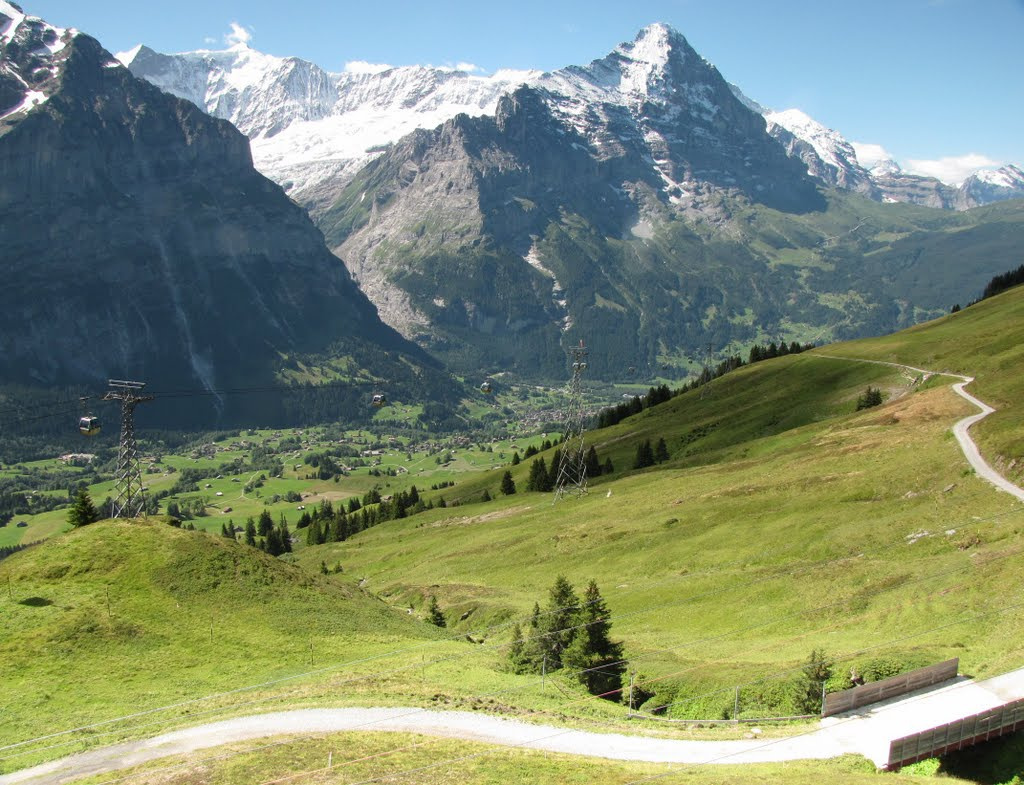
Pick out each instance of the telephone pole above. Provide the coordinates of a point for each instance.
(129, 499)
(572, 470)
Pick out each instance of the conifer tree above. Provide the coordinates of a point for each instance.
(556, 628)
(591, 464)
(644, 455)
(82, 511)
(313, 533)
(284, 534)
(537, 481)
(265, 524)
(508, 485)
(250, 532)
(816, 672)
(595, 658)
(661, 451)
(435, 616)
(515, 459)
(273, 544)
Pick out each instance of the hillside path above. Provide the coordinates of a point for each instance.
(960, 429)
(866, 731)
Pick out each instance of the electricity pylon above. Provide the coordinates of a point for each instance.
(129, 500)
(572, 470)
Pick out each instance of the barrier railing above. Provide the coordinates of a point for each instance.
(957, 734)
(847, 700)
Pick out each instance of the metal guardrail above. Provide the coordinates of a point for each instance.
(847, 700)
(957, 734)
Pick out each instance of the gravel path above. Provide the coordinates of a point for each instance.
(866, 731)
(960, 429)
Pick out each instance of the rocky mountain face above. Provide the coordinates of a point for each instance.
(636, 199)
(141, 241)
(311, 130)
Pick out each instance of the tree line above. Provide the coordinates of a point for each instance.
(662, 393)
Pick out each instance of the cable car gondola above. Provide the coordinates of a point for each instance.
(379, 399)
(486, 388)
(88, 424)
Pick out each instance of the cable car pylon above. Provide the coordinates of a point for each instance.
(129, 499)
(572, 469)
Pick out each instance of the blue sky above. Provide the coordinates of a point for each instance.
(926, 79)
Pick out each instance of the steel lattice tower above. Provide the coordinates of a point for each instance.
(572, 471)
(129, 500)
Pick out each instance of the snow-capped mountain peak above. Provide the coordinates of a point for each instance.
(829, 145)
(28, 71)
(642, 63)
(1009, 176)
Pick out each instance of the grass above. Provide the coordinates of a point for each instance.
(394, 757)
(784, 522)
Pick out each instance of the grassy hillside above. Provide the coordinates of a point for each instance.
(985, 341)
(120, 617)
(784, 521)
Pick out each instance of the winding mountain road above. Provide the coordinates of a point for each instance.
(961, 428)
(866, 731)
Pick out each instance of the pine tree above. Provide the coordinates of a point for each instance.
(284, 534)
(273, 544)
(515, 459)
(591, 464)
(313, 533)
(82, 511)
(661, 451)
(435, 616)
(606, 467)
(596, 659)
(816, 672)
(644, 455)
(265, 524)
(485, 496)
(250, 532)
(537, 481)
(556, 629)
(508, 485)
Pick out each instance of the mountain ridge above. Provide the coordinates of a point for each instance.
(337, 131)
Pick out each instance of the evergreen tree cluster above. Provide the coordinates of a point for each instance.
(660, 394)
(872, 397)
(324, 523)
(543, 477)
(574, 635)
(649, 456)
(1001, 283)
(272, 539)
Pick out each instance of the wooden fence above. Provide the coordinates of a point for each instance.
(957, 734)
(847, 700)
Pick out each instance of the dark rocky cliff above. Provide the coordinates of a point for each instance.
(137, 240)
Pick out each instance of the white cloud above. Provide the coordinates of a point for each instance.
(951, 170)
(238, 35)
(468, 68)
(210, 40)
(363, 67)
(868, 155)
